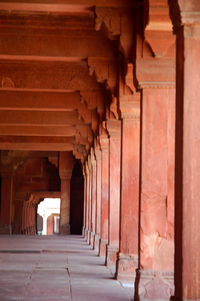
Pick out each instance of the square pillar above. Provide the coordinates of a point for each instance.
(156, 281)
(104, 142)
(98, 198)
(65, 205)
(89, 199)
(87, 186)
(114, 129)
(6, 203)
(186, 20)
(94, 197)
(127, 261)
(85, 201)
(66, 163)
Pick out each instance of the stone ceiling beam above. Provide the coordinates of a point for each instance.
(47, 131)
(32, 118)
(46, 76)
(65, 45)
(62, 6)
(38, 101)
(36, 146)
(40, 143)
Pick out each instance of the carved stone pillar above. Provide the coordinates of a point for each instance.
(127, 262)
(28, 217)
(66, 163)
(94, 197)
(85, 201)
(186, 20)
(23, 218)
(114, 129)
(89, 199)
(157, 202)
(155, 71)
(104, 194)
(65, 204)
(6, 203)
(98, 196)
(17, 217)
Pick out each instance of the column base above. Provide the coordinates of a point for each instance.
(5, 229)
(92, 237)
(96, 242)
(88, 236)
(127, 265)
(83, 231)
(64, 229)
(155, 285)
(111, 257)
(102, 247)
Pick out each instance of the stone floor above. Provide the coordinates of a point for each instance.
(55, 268)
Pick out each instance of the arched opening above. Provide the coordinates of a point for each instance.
(76, 199)
(48, 216)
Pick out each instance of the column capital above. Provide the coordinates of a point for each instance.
(114, 127)
(66, 174)
(98, 154)
(93, 158)
(184, 13)
(156, 73)
(130, 108)
(104, 142)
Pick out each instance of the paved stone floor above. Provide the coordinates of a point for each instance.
(55, 268)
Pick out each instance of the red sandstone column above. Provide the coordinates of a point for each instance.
(157, 202)
(187, 160)
(89, 199)
(127, 262)
(104, 142)
(114, 129)
(66, 162)
(94, 197)
(85, 201)
(20, 209)
(98, 196)
(32, 218)
(28, 218)
(155, 71)
(6, 203)
(23, 218)
(17, 217)
(65, 204)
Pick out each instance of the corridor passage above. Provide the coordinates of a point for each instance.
(55, 268)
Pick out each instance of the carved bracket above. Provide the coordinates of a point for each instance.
(94, 100)
(105, 71)
(117, 22)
